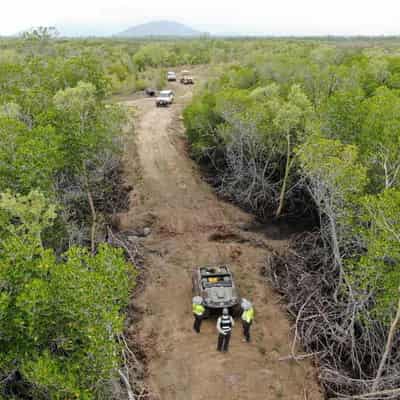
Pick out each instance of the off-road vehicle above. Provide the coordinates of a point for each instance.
(186, 78)
(165, 98)
(216, 286)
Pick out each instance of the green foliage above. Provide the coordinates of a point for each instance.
(241, 77)
(28, 157)
(265, 92)
(58, 319)
(59, 313)
(378, 268)
(334, 165)
(82, 122)
(291, 115)
(201, 120)
(160, 79)
(343, 115)
(380, 139)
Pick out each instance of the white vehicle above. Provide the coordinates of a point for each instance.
(171, 76)
(186, 78)
(165, 98)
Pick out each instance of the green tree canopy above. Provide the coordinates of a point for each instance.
(58, 318)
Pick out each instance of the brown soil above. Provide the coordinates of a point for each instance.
(190, 226)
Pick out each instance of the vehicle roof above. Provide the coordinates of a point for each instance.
(171, 72)
(166, 92)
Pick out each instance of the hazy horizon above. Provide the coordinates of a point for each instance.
(283, 18)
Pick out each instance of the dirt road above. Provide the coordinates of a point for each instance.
(183, 214)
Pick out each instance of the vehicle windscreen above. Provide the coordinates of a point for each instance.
(164, 94)
(217, 281)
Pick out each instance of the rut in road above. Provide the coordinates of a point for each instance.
(185, 214)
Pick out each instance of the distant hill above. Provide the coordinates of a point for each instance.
(160, 28)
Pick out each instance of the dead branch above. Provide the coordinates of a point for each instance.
(347, 348)
(119, 242)
(388, 347)
(293, 348)
(131, 396)
(299, 357)
(94, 222)
(382, 395)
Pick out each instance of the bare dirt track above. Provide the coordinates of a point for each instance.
(184, 214)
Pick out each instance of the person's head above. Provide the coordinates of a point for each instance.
(197, 300)
(246, 304)
(225, 311)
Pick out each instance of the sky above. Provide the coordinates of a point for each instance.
(255, 17)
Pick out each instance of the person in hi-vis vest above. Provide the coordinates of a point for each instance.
(247, 318)
(198, 312)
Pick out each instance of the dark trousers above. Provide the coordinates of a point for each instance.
(246, 330)
(223, 341)
(197, 322)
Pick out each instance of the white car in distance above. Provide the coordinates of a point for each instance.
(165, 98)
(171, 76)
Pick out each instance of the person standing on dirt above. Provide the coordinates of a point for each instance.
(225, 324)
(247, 318)
(198, 312)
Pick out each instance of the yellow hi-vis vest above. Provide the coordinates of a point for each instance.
(198, 309)
(248, 315)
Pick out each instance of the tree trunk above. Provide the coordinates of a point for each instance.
(285, 179)
(336, 251)
(94, 222)
(388, 347)
(128, 386)
(92, 211)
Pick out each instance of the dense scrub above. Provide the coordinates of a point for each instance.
(127, 65)
(63, 291)
(312, 128)
(59, 316)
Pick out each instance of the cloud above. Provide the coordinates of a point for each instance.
(283, 17)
